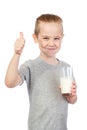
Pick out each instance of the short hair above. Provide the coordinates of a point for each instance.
(48, 18)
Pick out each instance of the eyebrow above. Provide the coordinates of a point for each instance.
(44, 35)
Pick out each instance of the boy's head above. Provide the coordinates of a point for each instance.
(48, 34)
(47, 18)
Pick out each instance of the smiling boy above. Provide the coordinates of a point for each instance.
(48, 107)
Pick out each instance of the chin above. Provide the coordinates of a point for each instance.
(51, 55)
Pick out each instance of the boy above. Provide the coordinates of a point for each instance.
(48, 107)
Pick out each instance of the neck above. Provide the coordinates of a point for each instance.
(50, 60)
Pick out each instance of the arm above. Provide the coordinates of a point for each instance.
(72, 98)
(12, 77)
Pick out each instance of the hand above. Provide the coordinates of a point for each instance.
(19, 44)
(72, 97)
(73, 89)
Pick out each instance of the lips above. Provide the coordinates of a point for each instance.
(51, 48)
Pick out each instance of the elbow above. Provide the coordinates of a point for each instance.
(9, 84)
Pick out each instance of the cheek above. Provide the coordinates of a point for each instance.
(41, 43)
(58, 44)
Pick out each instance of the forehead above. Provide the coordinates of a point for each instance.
(52, 27)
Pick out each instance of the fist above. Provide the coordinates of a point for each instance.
(19, 44)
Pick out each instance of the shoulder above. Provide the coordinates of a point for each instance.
(30, 62)
(64, 63)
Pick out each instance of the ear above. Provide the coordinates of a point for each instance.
(62, 35)
(35, 38)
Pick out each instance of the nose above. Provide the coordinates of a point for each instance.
(51, 43)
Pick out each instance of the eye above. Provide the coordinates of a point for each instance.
(45, 38)
(57, 38)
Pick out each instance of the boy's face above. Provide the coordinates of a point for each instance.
(49, 38)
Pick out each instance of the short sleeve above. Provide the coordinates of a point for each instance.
(24, 72)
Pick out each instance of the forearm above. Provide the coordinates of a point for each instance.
(12, 76)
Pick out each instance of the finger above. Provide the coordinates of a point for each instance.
(59, 87)
(73, 91)
(21, 35)
(74, 83)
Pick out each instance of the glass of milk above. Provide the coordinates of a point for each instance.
(66, 78)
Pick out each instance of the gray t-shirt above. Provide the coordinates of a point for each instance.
(48, 108)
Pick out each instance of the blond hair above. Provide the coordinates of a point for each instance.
(48, 18)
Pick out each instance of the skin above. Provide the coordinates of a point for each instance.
(49, 41)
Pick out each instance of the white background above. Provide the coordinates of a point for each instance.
(20, 15)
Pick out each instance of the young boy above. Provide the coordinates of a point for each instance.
(48, 107)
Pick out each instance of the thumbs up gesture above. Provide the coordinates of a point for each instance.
(19, 44)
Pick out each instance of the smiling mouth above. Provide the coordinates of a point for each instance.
(51, 48)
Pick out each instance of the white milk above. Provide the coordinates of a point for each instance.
(65, 85)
